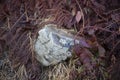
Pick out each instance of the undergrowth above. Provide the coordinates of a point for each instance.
(96, 21)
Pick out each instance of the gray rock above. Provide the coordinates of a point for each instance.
(53, 45)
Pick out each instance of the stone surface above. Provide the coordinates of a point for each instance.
(53, 45)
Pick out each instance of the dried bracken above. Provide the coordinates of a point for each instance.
(96, 20)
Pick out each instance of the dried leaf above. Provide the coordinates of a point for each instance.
(85, 56)
(84, 43)
(115, 17)
(98, 5)
(78, 16)
(101, 51)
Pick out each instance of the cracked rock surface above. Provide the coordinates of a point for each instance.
(53, 45)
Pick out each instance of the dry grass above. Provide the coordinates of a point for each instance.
(6, 70)
(62, 71)
(69, 70)
(21, 74)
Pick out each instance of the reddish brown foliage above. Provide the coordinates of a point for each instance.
(18, 20)
(85, 56)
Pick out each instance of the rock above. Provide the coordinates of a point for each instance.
(53, 45)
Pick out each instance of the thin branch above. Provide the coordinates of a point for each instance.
(81, 31)
(18, 20)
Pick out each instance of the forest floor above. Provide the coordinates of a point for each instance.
(97, 21)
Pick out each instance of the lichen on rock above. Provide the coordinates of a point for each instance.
(53, 45)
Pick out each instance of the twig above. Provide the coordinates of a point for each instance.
(8, 22)
(18, 20)
(111, 52)
(113, 11)
(81, 31)
(108, 30)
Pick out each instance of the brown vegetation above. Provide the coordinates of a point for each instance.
(98, 21)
